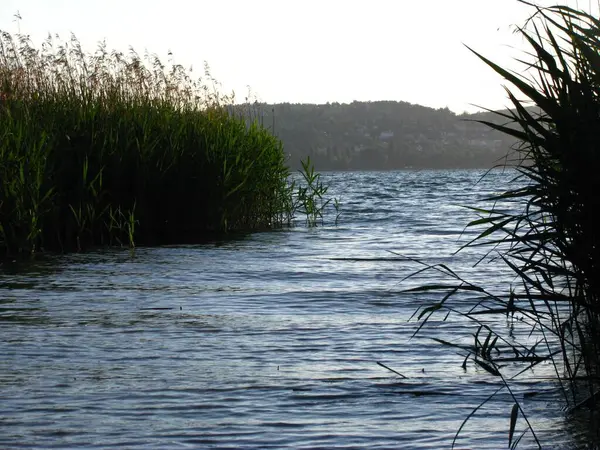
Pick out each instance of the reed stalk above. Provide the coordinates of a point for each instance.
(545, 228)
(111, 148)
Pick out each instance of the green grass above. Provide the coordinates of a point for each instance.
(114, 149)
(552, 244)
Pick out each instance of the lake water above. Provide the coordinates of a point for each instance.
(267, 341)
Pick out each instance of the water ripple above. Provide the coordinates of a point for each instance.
(268, 341)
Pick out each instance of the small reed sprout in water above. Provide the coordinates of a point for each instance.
(109, 148)
(552, 242)
(310, 196)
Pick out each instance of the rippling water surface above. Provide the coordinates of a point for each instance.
(266, 341)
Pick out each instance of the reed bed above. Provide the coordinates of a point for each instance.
(551, 241)
(109, 148)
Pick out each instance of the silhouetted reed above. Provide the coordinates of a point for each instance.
(552, 242)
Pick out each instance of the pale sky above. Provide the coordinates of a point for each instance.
(309, 51)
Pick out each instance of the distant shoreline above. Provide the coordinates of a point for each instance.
(385, 135)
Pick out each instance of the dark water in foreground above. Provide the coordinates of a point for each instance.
(271, 342)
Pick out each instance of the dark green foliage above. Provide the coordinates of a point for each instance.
(108, 148)
(552, 243)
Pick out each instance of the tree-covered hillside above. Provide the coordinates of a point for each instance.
(382, 135)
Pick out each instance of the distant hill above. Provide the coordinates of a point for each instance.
(383, 135)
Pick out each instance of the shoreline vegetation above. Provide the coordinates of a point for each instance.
(111, 149)
(114, 149)
(544, 229)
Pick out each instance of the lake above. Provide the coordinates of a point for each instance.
(269, 340)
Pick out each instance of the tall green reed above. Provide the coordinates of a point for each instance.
(549, 237)
(111, 148)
